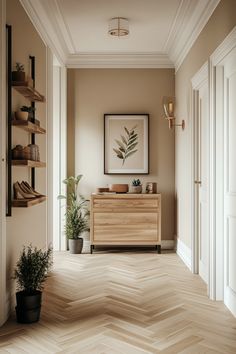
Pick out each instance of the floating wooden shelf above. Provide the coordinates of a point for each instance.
(25, 203)
(28, 126)
(27, 91)
(28, 163)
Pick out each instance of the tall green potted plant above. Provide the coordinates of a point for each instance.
(77, 214)
(30, 274)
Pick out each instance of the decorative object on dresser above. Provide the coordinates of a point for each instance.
(30, 273)
(136, 186)
(126, 219)
(77, 214)
(151, 187)
(126, 142)
(119, 188)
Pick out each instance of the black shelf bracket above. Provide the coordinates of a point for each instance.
(9, 119)
(32, 59)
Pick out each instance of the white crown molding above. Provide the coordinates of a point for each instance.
(188, 25)
(119, 60)
(190, 19)
(42, 22)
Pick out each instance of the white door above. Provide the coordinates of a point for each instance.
(201, 172)
(203, 178)
(229, 64)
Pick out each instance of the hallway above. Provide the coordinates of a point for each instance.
(127, 303)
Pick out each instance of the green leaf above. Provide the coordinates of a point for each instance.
(123, 139)
(131, 153)
(131, 147)
(120, 144)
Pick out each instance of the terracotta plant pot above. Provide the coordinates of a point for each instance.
(20, 115)
(76, 245)
(136, 189)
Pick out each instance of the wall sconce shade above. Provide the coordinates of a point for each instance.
(118, 27)
(169, 109)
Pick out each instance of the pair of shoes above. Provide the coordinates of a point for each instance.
(19, 193)
(28, 189)
(24, 191)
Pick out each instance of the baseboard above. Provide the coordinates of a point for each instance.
(184, 252)
(168, 244)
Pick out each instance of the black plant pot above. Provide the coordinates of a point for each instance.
(27, 316)
(18, 76)
(28, 306)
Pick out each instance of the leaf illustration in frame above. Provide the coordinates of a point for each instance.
(127, 144)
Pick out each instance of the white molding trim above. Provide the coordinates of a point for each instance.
(224, 48)
(43, 25)
(190, 19)
(188, 28)
(200, 77)
(119, 60)
(168, 244)
(184, 252)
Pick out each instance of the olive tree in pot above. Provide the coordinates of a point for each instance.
(30, 273)
(77, 214)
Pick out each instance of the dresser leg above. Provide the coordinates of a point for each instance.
(91, 249)
(159, 249)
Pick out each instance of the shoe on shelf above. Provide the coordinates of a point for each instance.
(25, 185)
(19, 193)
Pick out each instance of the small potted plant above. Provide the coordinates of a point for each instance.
(24, 113)
(77, 214)
(136, 186)
(30, 273)
(19, 74)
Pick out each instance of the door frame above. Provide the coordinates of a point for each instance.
(57, 240)
(198, 80)
(216, 178)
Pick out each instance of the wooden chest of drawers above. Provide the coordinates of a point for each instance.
(126, 219)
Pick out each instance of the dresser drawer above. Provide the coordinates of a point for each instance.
(125, 203)
(125, 227)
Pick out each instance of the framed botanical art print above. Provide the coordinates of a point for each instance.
(126, 144)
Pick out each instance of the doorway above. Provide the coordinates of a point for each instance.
(223, 113)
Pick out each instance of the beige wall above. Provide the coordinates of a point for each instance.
(220, 24)
(26, 224)
(93, 92)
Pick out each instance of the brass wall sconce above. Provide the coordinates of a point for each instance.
(169, 108)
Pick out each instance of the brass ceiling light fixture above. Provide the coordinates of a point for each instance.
(118, 27)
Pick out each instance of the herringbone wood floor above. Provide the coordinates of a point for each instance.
(124, 303)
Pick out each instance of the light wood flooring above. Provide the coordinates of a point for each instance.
(123, 303)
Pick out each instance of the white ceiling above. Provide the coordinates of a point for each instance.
(161, 31)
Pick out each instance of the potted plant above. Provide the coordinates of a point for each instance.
(30, 273)
(19, 73)
(24, 113)
(136, 186)
(77, 214)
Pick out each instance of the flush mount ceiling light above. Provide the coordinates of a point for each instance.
(118, 27)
